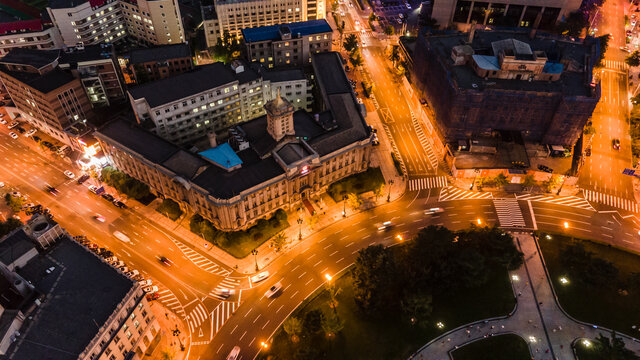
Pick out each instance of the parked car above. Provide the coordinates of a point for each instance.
(616, 144)
(30, 132)
(36, 138)
(96, 190)
(153, 296)
(3, 121)
(260, 277)
(13, 124)
(13, 135)
(83, 178)
(20, 129)
(108, 197)
(69, 174)
(133, 273)
(273, 290)
(145, 283)
(587, 152)
(545, 168)
(119, 204)
(150, 289)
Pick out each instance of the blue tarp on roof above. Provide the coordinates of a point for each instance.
(222, 155)
(486, 62)
(552, 68)
(302, 28)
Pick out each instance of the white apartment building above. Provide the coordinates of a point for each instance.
(292, 85)
(29, 34)
(235, 15)
(155, 22)
(186, 107)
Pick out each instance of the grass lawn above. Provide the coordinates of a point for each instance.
(390, 338)
(601, 306)
(357, 184)
(502, 347)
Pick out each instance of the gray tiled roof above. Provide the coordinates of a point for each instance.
(82, 292)
(159, 53)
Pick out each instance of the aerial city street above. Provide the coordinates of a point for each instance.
(319, 179)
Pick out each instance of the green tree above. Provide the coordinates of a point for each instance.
(333, 291)
(633, 59)
(418, 308)
(351, 43)
(528, 181)
(332, 325)
(372, 17)
(604, 45)
(313, 321)
(589, 129)
(9, 225)
(356, 59)
(374, 283)
(612, 348)
(293, 327)
(279, 241)
(14, 202)
(170, 209)
(500, 180)
(378, 191)
(354, 201)
(395, 55)
(389, 30)
(167, 355)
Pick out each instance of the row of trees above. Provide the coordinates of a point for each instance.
(310, 333)
(8, 226)
(352, 46)
(437, 262)
(124, 183)
(170, 209)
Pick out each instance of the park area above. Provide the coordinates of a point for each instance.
(501, 347)
(595, 283)
(357, 184)
(377, 310)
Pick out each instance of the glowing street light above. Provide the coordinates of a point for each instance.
(328, 277)
(564, 280)
(566, 225)
(399, 237)
(479, 221)
(264, 345)
(515, 277)
(586, 343)
(548, 237)
(440, 325)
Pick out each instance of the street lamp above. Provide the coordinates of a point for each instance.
(344, 206)
(399, 237)
(389, 194)
(566, 225)
(264, 345)
(300, 233)
(328, 277)
(254, 252)
(479, 221)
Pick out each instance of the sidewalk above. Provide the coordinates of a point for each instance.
(538, 319)
(168, 342)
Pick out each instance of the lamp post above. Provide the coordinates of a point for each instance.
(344, 206)
(254, 252)
(389, 194)
(300, 233)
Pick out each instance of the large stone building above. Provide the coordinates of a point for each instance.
(160, 62)
(149, 22)
(234, 15)
(51, 99)
(64, 302)
(213, 97)
(543, 14)
(287, 44)
(270, 163)
(482, 82)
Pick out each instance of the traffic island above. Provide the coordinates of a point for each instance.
(594, 283)
(501, 347)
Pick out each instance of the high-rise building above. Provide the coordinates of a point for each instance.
(543, 14)
(153, 22)
(287, 44)
(234, 15)
(159, 62)
(28, 34)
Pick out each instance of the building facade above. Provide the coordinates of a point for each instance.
(213, 97)
(543, 14)
(270, 163)
(152, 22)
(28, 34)
(234, 15)
(291, 84)
(482, 82)
(287, 44)
(49, 98)
(159, 62)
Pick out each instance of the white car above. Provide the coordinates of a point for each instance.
(433, 211)
(233, 355)
(122, 237)
(222, 293)
(273, 290)
(384, 226)
(13, 124)
(69, 174)
(133, 273)
(13, 135)
(145, 283)
(408, 6)
(30, 132)
(3, 121)
(260, 277)
(150, 289)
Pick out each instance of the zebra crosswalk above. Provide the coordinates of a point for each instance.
(197, 316)
(427, 183)
(222, 313)
(201, 261)
(424, 141)
(614, 201)
(509, 212)
(615, 65)
(168, 299)
(226, 283)
(452, 193)
(573, 201)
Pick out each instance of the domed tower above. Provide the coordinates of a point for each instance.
(279, 117)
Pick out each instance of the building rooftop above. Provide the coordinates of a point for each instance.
(43, 83)
(222, 155)
(159, 53)
(281, 75)
(298, 29)
(21, 26)
(571, 55)
(81, 294)
(31, 57)
(89, 53)
(14, 245)
(202, 78)
(66, 4)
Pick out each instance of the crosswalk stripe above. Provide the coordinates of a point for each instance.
(223, 312)
(572, 201)
(452, 193)
(509, 212)
(427, 183)
(201, 261)
(611, 200)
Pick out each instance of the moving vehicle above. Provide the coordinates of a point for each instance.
(83, 178)
(384, 226)
(13, 135)
(616, 144)
(165, 261)
(223, 293)
(433, 211)
(122, 237)
(260, 277)
(235, 352)
(99, 217)
(53, 191)
(69, 174)
(273, 290)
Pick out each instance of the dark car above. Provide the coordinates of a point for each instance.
(545, 168)
(36, 138)
(83, 178)
(108, 197)
(47, 144)
(616, 144)
(587, 152)
(53, 191)
(165, 261)
(19, 129)
(153, 296)
(119, 204)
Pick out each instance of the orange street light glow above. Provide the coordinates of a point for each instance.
(328, 277)
(399, 237)
(479, 222)
(566, 225)
(264, 344)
